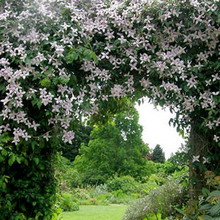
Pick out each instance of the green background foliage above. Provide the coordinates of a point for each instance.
(115, 148)
(158, 155)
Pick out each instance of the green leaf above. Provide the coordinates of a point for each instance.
(42, 167)
(71, 56)
(5, 138)
(39, 104)
(214, 193)
(45, 82)
(36, 160)
(2, 185)
(94, 57)
(64, 80)
(19, 159)
(2, 87)
(36, 102)
(205, 207)
(180, 211)
(11, 160)
(4, 152)
(205, 192)
(215, 210)
(207, 217)
(26, 162)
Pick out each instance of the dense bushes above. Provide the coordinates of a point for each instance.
(67, 202)
(120, 189)
(67, 176)
(160, 200)
(208, 205)
(27, 184)
(126, 184)
(156, 194)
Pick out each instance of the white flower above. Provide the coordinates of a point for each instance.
(216, 138)
(210, 125)
(195, 159)
(205, 160)
(47, 136)
(59, 49)
(117, 91)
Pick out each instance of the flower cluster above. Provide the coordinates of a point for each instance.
(66, 60)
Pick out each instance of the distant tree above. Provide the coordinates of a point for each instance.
(115, 148)
(158, 155)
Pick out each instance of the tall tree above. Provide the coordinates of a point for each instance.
(158, 154)
(116, 148)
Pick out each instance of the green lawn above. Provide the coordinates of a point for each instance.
(90, 212)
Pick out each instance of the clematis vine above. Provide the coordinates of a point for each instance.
(67, 60)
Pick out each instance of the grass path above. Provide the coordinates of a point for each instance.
(90, 212)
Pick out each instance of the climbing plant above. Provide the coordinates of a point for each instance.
(61, 59)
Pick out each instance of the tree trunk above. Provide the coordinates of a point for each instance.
(203, 147)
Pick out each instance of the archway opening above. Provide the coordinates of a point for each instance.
(157, 128)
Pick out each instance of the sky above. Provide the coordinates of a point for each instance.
(156, 129)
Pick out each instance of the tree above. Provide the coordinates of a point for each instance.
(115, 148)
(158, 155)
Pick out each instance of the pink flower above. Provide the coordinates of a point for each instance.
(68, 136)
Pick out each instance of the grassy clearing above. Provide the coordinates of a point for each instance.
(111, 212)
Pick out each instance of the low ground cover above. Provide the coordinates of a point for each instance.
(91, 212)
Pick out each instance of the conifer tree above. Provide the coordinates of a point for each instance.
(158, 155)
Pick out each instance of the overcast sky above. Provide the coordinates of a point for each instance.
(156, 129)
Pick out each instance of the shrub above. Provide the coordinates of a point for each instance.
(160, 200)
(67, 176)
(67, 202)
(126, 184)
(153, 182)
(208, 205)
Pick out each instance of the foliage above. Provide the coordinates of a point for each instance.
(114, 148)
(67, 202)
(61, 59)
(35, 188)
(67, 176)
(158, 155)
(179, 159)
(126, 184)
(208, 205)
(101, 195)
(160, 200)
(154, 181)
(183, 177)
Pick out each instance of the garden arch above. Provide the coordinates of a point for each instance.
(60, 59)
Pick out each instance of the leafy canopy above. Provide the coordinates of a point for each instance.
(115, 148)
